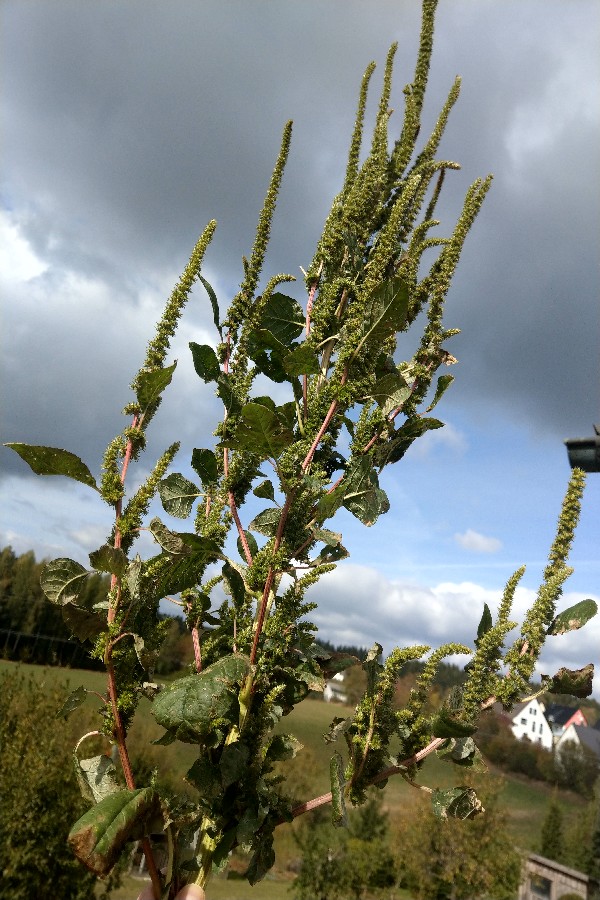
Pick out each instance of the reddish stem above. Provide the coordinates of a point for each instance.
(309, 306)
(270, 578)
(240, 527)
(381, 776)
(119, 731)
(197, 651)
(326, 423)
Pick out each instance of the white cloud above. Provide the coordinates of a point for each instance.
(358, 605)
(477, 543)
(18, 262)
(447, 438)
(562, 102)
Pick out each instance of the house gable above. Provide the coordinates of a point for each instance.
(528, 721)
(560, 717)
(583, 737)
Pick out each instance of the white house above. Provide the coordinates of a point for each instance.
(560, 717)
(528, 721)
(334, 689)
(582, 736)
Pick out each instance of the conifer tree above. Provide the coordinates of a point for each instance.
(354, 407)
(552, 837)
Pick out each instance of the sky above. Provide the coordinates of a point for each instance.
(126, 126)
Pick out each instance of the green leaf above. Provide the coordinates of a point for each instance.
(260, 340)
(283, 317)
(338, 726)
(205, 360)
(83, 623)
(74, 700)
(338, 662)
(260, 431)
(462, 752)
(214, 302)
(252, 545)
(339, 816)
(150, 384)
(576, 682)
(192, 706)
(282, 747)
(485, 623)
(362, 495)
(390, 392)
(204, 462)
(97, 777)
(233, 763)
(301, 361)
(458, 803)
(330, 502)
(443, 383)
(54, 461)
(573, 618)
(206, 778)
(267, 521)
(262, 860)
(186, 571)
(226, 392)
(373, 667)
(248, 825)
(264, 490)
(132, 577)
(235, 583)
(168, 540)
(403, 437)
(331, 554)
(62, 580)
(265, 400)
(178, 495)
(100, 834)
(109, 559)
(165, 739)
(147, 658)
(385, 312)
(331, 538)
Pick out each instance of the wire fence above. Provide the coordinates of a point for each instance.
(44, 649)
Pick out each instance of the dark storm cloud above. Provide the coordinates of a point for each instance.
(129, 125)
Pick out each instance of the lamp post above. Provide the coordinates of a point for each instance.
(584, 453)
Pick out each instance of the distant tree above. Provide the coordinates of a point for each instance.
(339, 864)
(7, 565)
(582, 840)
(576, 768)
(176, 649)
(552, 843)
(39, 796)
(461, 860)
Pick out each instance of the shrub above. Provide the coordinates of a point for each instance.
(39, 795)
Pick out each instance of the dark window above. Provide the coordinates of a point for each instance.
(540, 886)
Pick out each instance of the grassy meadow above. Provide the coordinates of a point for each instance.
(525, 801)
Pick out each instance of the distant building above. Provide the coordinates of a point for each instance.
(528, 721)
(583, 737)
(544, 879)
(560, 717)
(334, 689)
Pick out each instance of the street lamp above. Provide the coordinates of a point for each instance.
(584, 453)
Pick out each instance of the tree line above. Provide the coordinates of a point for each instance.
(31, 628)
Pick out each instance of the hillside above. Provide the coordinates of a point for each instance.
(526, 801)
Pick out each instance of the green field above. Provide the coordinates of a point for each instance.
(525, 801)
